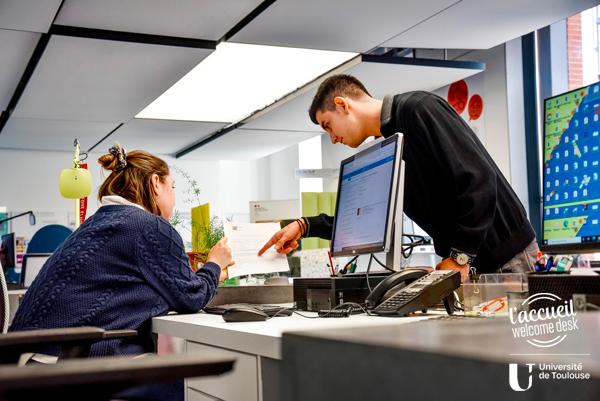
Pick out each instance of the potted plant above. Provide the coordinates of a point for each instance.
(206, 231)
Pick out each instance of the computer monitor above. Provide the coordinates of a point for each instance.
(369, 201)
(571, 184)
(32, 264)
(7, 251)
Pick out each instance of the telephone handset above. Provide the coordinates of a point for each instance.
(416, 290)
(392, 284)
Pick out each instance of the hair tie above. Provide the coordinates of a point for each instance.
(121, 156)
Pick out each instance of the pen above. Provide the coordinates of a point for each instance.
(352, 267)
(331, 263)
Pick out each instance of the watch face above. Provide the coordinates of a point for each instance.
(462, 259)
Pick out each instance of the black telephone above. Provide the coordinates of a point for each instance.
(413, 290)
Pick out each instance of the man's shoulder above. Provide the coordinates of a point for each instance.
(415, 98)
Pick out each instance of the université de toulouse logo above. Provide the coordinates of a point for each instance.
(544, 328)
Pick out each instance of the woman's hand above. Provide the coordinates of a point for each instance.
(221, 255)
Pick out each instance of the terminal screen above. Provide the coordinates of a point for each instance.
(571, 186)
(364, 199)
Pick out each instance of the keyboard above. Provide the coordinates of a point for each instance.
(269, 310)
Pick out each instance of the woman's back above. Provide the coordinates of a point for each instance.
(122, 267)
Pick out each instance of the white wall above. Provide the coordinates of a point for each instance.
(30, 182)
(516, 120)
(492, 126)
(558, 57)
(502, 129)
(332, 156)
(282, 182)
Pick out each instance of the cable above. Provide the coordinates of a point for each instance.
(293, 309)
(345, 269)
(368, 270)
(346, 305)
(592, 306)
(381, 264)
(407, 248)
(457, 304)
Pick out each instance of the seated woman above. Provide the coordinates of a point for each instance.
(126, 264)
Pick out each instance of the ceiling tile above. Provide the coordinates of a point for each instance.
(247, 144)
(476, 24)
(16, 48)
(379, 78)
(34, 134)
(200, 19)
(161, 136)
(347, 25)
(28, 15)
(80, 79)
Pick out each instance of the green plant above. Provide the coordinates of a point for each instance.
(176, 219)
(192, 190)
(208, 235)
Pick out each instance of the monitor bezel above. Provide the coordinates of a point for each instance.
(397, 138)
(26, 258)
(576, 247)
(14, 249)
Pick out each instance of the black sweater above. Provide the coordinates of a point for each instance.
(453, 188)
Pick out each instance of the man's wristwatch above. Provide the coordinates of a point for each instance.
(461, 258)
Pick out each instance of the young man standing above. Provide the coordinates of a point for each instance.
(453, 188)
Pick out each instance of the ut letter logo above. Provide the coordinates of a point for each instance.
(513, 377)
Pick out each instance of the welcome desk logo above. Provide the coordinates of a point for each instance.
(543, 327)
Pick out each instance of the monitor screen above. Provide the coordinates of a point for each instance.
(366, 199)
(571, 186)
(7, 251)
(32, 264)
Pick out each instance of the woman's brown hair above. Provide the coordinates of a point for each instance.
(131, 176)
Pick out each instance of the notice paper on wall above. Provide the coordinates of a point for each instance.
(245, 239)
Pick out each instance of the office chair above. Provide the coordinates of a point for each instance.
(98, 379)
(74, 342)
(48, 238)
(4, 303)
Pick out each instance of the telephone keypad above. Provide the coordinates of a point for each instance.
(412, 291)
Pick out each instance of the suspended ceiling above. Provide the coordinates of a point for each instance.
(87, 67)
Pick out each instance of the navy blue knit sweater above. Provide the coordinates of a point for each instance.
(122, 267)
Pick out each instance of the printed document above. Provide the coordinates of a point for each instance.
(245, 239)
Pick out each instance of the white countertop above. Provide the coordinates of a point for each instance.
(261, 338)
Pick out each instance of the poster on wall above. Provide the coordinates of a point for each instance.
(467, 98)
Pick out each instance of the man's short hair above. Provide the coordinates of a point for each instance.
(335, 85)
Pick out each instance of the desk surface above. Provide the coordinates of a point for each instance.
(463, 360)
(262, 338)
(475, 338)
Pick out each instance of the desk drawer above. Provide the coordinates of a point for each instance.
(241, 384)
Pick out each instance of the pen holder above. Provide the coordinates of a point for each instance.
(196, 258)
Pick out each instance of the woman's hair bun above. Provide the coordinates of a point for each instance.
(108, 162)
(115, 159)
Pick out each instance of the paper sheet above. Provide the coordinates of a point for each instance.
(245, 239)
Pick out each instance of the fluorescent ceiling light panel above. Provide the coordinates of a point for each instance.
(238, 79)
